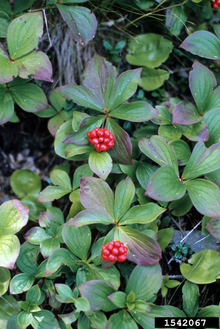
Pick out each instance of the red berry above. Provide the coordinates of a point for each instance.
(114, 251)
(215, 6)
(102, 139)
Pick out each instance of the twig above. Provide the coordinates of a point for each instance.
(45, 18)
(190, 231)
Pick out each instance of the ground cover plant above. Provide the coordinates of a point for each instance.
(132, 153)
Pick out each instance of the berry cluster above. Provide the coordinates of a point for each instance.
(114, 251)
(102, 139)
(216, 4)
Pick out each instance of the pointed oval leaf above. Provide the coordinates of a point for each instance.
(36, 235)
(36, 64)
(164, 117)
(95, 194)
(29, 97)
(201, 83)
(72, 150)
(182, 206)
(100, 163)
(197, 132)
(144, 173)
(213, 226)
(87, 217)
(135, 112)
(171, 133)
(77, 239)
(51, 193)
(203, 44)
(145, 281)
(23, 34)
(81, 21)
(124, 194)
(142, 250)
(27, 259)
(165, 185)
(97, 292)
(45, 319)
(121, 152)
(49, 245)
(60, 178)
(182, 151)
(158, 149)
(203, 267)
(205, 196)
(81, 171)
(142, 214)
(21, 282)
(185, 114)
(124, 87)
(7, 107)
(203, 160)
(5, 280)
(8, 69)
(118, 298)
(61, 257)
(212, 119)
(121, 320)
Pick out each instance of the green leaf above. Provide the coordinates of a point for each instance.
(144, 173)
(144, 281)
(182, 151)
(152, 79)
(190, 298)
(23, 34)
(24, 319)
(165, 236)
(44, 319)
(7, 106)
(165, 185)
(24, 182)
(73, 149)
(36, 235)
(29, 97)
(135, 112)
(123, 88)
(59, 257)
(149, 50)
(8, 69)
(33, 295)
(118, 298)
(87, 217)
(158, 149)
(5, 279)
(121, 320)
(70, 318)
(100, 163)
(96, 251)
(51, 193)
(204, 196)
(171, 133)
(175, 19)
(21, 5)
(49, 245)
(60, 178)
(209, 311)
(65, 293)
(77, 239)
(142, 249)
(95, 194)
(27, 259)
(201, 81)
(81, 21)
(212, 119)
(21, 282)
(97, 292)
(164, 117)
(203, 44)
(82, 304)
(8, 308)
(124, 194)
(181, 207)
(110, 275)
(203, 267)
(121, 152)
(142, 214)
(82, 171)
(98, 320)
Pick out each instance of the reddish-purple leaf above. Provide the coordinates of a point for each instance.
(36, 64)
(95, 194)
(121, 152)
(142, 249)
(8, 69)
(185, 114)
(213, 226)
(54, 124)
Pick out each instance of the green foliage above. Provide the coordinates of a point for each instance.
(165, 159)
